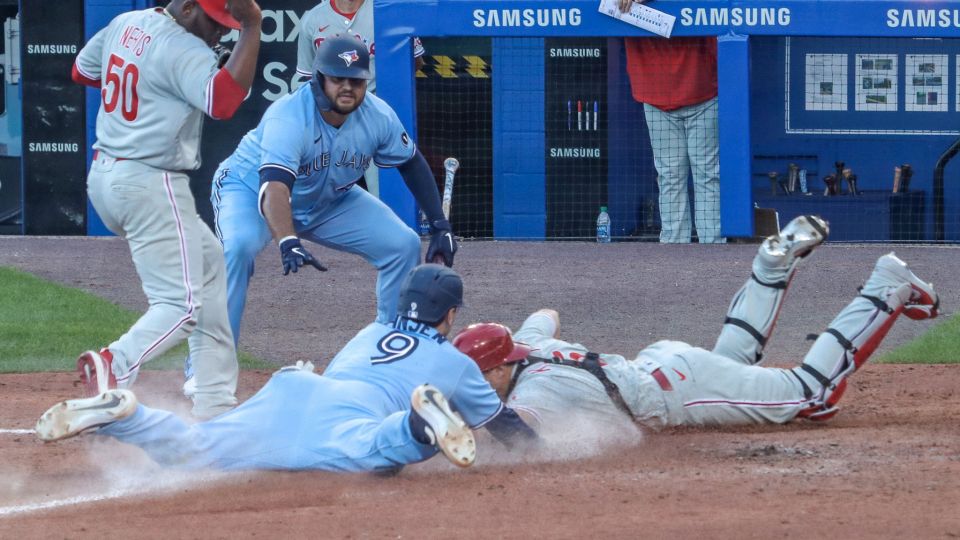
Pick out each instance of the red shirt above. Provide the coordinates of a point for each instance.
(672, 73)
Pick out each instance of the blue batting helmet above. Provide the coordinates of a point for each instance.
(428, 293)
(342, 56)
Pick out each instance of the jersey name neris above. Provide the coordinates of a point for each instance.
(135, 39)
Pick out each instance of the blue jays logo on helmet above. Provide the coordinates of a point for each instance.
(349, 57)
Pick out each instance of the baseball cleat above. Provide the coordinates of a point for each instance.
(74, 416)
(447, 431)
(891, 272)
(799, 237)
(96, 372)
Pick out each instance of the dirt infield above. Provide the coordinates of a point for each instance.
(886, 467)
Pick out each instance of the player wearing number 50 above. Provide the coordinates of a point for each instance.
(158, 76)
(369, 411)
(293, 177)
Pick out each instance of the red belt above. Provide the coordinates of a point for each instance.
(662, 380)
(96, 154)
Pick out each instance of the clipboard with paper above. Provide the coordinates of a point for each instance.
(641, 16)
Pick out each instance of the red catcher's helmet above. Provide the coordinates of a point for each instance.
(217, 10)
(490, 345)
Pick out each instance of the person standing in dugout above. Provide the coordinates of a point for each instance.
(158, 75)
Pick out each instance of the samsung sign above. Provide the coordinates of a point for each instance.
(738, 16)
(529, 17)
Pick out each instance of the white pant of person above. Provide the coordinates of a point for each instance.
(725, 387)
(686, 140)
(181, 268)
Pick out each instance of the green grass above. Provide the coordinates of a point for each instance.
(939, 345)
(44, 326)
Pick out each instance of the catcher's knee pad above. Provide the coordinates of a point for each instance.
(847, 344)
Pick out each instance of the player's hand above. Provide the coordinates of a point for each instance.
(294, 255)
(624, 5)
(443, 246)
(245, 11)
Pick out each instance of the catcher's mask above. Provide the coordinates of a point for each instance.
(490, 345)
(428, 293)
(338, 56)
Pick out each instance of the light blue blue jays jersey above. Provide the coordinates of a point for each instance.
(292, 136)
(355, 417)
(397, 358)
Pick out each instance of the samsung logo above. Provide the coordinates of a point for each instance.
(53, 147)
(737, 16)
(574, 53)
(923, 18)
(485, 18)
(51, 49)
(575, 152)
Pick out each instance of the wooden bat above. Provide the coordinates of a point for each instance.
(450, 166)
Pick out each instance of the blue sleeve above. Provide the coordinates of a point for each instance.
(416, 174)
(474, 398)
(508, 428)
(281, 140)
(395, 146)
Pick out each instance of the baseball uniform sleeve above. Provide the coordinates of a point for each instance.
(194, 77)
(305, 49)
(281, 145)
(396, 147)
(474, 398)
(88, 65)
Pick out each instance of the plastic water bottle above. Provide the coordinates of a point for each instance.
(603, 226)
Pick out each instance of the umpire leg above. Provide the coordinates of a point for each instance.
(360, 223)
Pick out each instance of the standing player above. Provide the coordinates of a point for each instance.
(353, 18)
(674, 384)
(158, 75)
(291, 178)
(356, 417)
(330, 18)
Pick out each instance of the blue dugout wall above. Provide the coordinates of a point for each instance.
(760, 43)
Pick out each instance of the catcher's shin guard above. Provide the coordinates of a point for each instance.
(857, 331)
(754, 309)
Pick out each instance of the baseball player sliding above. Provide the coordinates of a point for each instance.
(158, 76)
(292, 177)
(674, 384)
(370, 411)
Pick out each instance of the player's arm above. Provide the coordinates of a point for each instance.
(419, 180)
(231, 83)
(478, 404)
(305, 52)
(511, 429)
(87, 68)
(276, 184)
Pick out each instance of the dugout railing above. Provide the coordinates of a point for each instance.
(802, 87)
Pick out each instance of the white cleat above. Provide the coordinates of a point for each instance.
(890, 273)
(447, 430)
(74, 416)
(798, 238)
